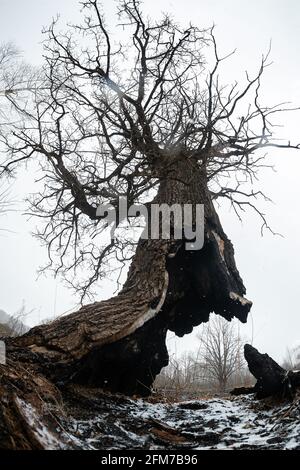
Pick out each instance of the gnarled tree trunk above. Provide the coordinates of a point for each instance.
(119, 344)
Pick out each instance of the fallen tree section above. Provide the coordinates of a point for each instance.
(272, 379)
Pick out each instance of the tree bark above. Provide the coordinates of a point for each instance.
(119, 344)
(167, 288)
(272, 379)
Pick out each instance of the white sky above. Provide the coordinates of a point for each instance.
(269, 265)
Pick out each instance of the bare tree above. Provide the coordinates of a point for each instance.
(200, 372)
(17, 321)
(291, 360)
(8, 54)
(16, 78)
(148, 119)
(221, 350)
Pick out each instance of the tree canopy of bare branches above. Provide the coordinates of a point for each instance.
(16, 78)
(110, 112)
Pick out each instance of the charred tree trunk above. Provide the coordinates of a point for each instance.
(272, 379)
(167, 288)
(119, 344)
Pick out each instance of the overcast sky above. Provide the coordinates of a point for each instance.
(269, 265)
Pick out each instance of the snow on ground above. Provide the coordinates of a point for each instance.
(229, 423)
(235, 423)
(104, 421)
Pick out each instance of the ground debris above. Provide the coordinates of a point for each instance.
(97, 420)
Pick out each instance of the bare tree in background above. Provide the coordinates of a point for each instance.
(291, 360)
(184, 377)
(16, 79)
(17, 322)
(221, 350)
(189, 375)
(8, 54)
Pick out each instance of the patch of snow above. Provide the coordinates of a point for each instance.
(41, 432)
(235, 423)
